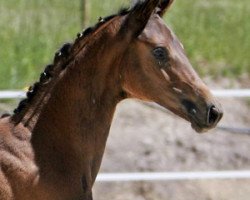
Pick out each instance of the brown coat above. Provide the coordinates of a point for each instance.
(52, 147)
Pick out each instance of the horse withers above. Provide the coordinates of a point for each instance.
(52, 146)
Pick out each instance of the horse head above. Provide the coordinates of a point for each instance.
(156, 68)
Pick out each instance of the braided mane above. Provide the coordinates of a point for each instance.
(62, 59)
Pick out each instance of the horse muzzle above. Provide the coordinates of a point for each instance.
(203, 117)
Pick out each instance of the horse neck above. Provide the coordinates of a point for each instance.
(74, 124)
(88, 88)
(29, 115)
(85, 95)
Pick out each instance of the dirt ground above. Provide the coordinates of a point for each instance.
(144, 139)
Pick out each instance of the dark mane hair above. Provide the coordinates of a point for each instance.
(63, 57)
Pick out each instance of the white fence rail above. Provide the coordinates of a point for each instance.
(12, 94)
(240, 93)
(219, 93)
(172, 176)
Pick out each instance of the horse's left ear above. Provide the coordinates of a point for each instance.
(164, 6)
(138, 17)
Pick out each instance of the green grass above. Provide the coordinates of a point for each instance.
(215, 34)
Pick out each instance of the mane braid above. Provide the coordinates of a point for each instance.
(62, 59)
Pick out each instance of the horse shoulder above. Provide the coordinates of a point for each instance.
(18, 171)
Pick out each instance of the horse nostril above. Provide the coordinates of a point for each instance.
(214, 115)
(190, 107)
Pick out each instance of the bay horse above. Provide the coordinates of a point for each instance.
(52, 146)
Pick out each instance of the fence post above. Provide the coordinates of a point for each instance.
(85, 12)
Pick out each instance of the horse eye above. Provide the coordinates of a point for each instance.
(161, 54)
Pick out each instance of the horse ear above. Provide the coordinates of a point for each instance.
(163, 6)
(138, 17)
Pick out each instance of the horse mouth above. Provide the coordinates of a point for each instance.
(199, 128)
(202, 118)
